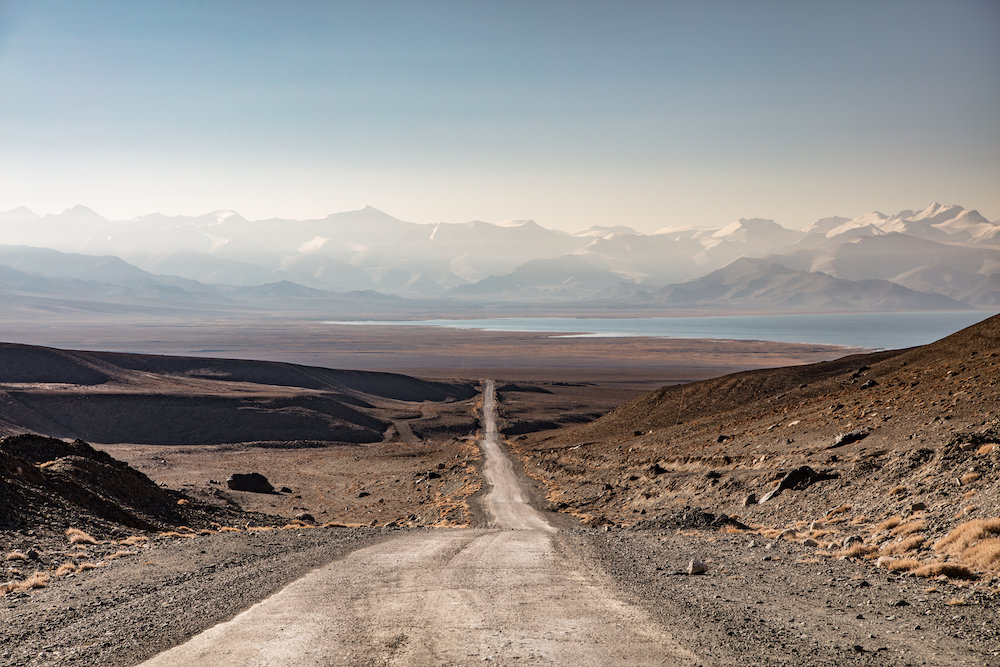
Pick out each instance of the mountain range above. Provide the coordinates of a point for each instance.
(940, 258)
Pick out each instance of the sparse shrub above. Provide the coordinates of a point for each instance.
(37, 580)
(903, 565)
(970, 477)
(965, 534)
(909, 544)
(950, 570)
(889, 523)
(897, 490)
(64, 569)
(910, 527)
(16, 555)
(77, 536)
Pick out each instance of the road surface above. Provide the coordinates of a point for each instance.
(509, 594)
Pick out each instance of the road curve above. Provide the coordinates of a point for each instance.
(446, 597)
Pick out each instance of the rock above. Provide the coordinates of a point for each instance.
(883, 561)
(848, 438)
(285, 489)
(852, 539)
(253, 482)
(917, 507)
(900, 603)
(812, 525)
(789, 533)
(363, 494)
(306, 517)
(799, 478)
(751, 499)
(810, 542)
(697, 567)
(868, 384)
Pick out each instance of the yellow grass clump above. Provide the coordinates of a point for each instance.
(77, 536)
(987, 448)
(259, 528)
(16, 555)
(889, 523)
(183, 501)
(858, 550)
(840, 510)
(970, 477)
(897, 490)
(37, 580)
(174, 533)
(966, 534)
(903, 565)
(956, 602)
(858, 520)
(950, 570)
(968, 494)
(121, 553)
(229, 529)
(983, 555)
(64, 569)
(909, 544)
(87, 566)
(134, 540)
(910, 527)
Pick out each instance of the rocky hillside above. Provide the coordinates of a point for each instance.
(892, 451)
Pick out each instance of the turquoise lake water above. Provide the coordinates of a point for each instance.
(865, 330)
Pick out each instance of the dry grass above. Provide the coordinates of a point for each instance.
(983, 555)
(903, 565)
(956, 602)
(16, 555)
(889, 523)
(64, 569)
(229, 529)
(970, 477)
(840, 510)
(87, 566)
(966, 534)
(121, 553)
(858, 520)
(77, 536)
(987, 448)
(931, 589)
(724, 529)
(174, 533)
(183, 501)
(897, 490)
(858, 550)
(910, 527)
(134, 540)
(968, 494)
(808, 561)
(37, 580)
(950, 570)
(965, 511)
(909, 544)
(334, 524)
(259, 528)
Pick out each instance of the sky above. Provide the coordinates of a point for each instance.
(572, 114)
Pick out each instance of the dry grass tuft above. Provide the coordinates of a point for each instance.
(965, 511)
(983, 555)
(121, 553)
(950, 570)
(259, 528)
(229, 529)
(77, 536)
(183, 501)
(970, 477)
(968, 494)
(903, 565)
(64, 569)
(889, 523)
(87, 566)
(909, 544)
(840, 510)
(966, 534)
(858, 520)
(987, 448)
(908, 528)
(808, 561)
(897, 490)
(858, 550)
(134, 540)
(930, 589)
(956, 602)
(185, 529)
(16, 555)
(724, 529)
(37, 580)
(174, 533)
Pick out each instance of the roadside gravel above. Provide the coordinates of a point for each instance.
(764, 606)
(132, 608)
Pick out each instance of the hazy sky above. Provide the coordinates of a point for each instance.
(570, 113)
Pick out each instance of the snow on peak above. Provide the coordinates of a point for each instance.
(601, 231)
(515, 223)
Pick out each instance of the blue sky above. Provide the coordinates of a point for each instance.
(570, 113)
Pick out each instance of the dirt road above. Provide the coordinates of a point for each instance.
(508, 594)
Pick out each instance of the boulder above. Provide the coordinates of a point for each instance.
(253, 482)
(800, 478)
(697, 567)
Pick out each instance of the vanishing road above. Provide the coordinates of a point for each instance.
(512, 593)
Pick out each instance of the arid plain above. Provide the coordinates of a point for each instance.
(848, 563)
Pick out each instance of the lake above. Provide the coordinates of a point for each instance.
(863, 330)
